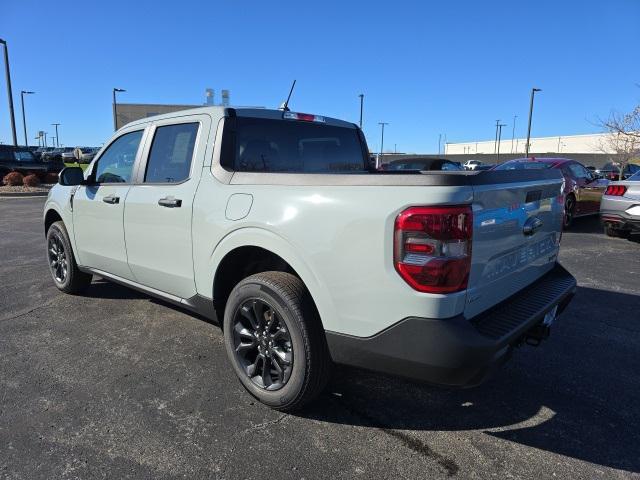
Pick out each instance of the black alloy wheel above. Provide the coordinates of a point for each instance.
(262, 344)
(58, 260)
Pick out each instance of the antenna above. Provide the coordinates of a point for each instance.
(285, 106)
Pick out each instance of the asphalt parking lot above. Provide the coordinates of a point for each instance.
(118, 385)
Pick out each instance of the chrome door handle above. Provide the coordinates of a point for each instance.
(170, 202)
(111, 199)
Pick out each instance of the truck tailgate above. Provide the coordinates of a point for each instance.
(516, 236)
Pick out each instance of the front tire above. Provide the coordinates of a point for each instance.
(275, 340)
(62, 264)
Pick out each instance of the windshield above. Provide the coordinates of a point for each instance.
(522, 166)
(269, 145)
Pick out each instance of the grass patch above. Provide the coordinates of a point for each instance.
(83, 166)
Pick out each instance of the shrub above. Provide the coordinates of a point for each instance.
(13, 179)
(51, 178)
(31, 180)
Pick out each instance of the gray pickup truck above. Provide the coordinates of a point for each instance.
(273, 223)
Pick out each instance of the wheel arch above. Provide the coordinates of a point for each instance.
(51, 216)
(248, 251)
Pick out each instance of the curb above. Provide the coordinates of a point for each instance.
(23, 194)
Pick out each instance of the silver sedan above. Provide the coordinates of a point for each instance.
(620, 207)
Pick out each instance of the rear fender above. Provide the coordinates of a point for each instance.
(258, 237)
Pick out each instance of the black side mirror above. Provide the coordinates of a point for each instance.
(71, 176)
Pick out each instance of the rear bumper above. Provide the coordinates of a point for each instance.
(456, 351)
(620, 219)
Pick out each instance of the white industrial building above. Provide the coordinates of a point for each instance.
(590, 143)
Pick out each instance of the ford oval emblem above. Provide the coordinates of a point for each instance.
(531, 226)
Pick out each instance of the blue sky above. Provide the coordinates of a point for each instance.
(425, 67)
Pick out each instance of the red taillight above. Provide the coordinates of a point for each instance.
(616, 190)
(432, 247)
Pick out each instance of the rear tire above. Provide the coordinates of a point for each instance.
(275, 340)
(610, 231)
(62, 264)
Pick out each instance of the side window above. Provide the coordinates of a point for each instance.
(579, 171)
(171, 153)
(116, 163)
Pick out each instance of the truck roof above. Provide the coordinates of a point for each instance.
(220, 111)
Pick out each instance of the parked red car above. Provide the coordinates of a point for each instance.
(582, 190)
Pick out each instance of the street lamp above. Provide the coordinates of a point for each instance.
(500, 125)
(12, 116)
(361, 105)
(382, 124)
(24, 120)
(115, 108)
(57, 136)
(533, 93)
(513, 132)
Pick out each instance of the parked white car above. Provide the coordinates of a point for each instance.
(273, 223)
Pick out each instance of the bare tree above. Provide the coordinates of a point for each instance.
(623, 139)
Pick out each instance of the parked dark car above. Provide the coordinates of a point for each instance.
(19, 159)
(420, 164)
(56, 153)
(88, 154)
(611, 171)
(40, 151)
(582, 190)
(53, 158)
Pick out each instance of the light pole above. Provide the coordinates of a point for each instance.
(513, 132)
(439, 142)
(495, 142)
(24, 120)
(12, 116)
(533, 93)
(382, 124)
(115, 108)
(57, 136)
(361, 106)
(45, 139)
(500, 125)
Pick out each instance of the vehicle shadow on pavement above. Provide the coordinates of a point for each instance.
(589, 224)
(576, 395)
(108, 290)
(592, 225)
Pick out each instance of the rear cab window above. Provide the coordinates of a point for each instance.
(290, 146)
